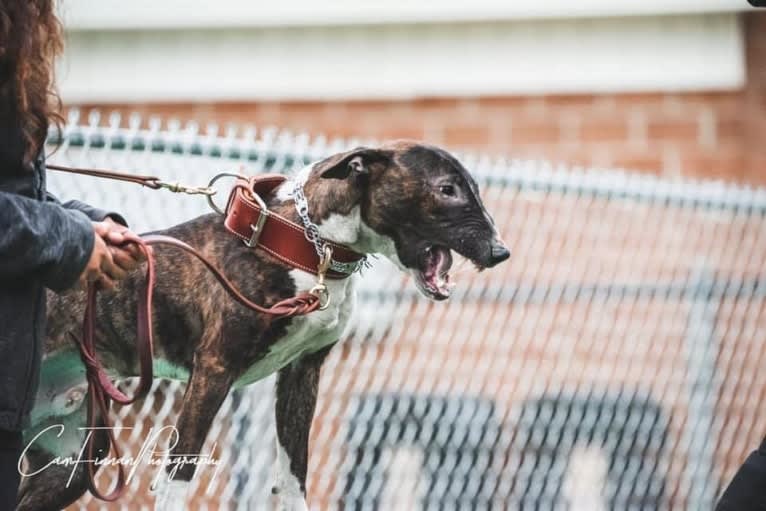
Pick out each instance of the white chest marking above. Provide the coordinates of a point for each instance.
(310, 333)
(170, 495)
(370, 242)
(342, 229)
(305, 335)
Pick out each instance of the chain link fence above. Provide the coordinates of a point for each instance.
(612, 363)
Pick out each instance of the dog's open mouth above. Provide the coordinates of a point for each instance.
(432, 276)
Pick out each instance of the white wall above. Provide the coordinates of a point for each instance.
(686, 52)
(142, 14)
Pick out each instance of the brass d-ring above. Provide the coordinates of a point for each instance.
(212, 182)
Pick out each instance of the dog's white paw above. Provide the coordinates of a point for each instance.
(291, 504)
(287, 488)
(171, 495)
(289, 498)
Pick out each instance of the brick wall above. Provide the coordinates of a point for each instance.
(710, 135)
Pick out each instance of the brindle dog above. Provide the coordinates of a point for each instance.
(410, 202)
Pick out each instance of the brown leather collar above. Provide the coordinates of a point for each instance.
(248, 218)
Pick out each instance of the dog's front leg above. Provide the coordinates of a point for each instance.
(207, 388)
(296, 400)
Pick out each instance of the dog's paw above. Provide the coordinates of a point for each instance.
(171, 496)
(291, 504)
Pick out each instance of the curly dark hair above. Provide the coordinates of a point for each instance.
(31, 37)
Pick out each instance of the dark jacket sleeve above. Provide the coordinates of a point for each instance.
(95, 214)
(44, 238)
(747, 490)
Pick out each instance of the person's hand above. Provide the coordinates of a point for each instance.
(128, 256)
(101, 268)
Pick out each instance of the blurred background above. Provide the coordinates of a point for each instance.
(612, 363)
(674, 87)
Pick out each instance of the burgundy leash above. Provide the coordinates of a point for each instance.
(152, 182)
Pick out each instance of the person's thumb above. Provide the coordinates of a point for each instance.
(100, 228)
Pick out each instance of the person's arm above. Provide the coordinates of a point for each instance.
(126, 257)
(44, 238)
(747, 490)
(95, 214)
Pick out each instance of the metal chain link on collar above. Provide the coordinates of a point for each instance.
(311, 230)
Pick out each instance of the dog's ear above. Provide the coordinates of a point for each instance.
(356, 162)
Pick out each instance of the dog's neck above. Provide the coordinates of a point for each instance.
(334, 206)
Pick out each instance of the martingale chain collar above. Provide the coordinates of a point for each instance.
(312, 232)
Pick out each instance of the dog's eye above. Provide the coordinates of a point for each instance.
(448, 190)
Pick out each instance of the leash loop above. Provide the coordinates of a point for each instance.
(101, 390)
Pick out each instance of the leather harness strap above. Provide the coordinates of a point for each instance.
(248, 219)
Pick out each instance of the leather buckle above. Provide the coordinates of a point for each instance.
(258, 227)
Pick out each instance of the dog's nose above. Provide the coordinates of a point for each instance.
(499, 253)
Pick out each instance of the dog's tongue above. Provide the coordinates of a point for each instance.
(436, 276)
